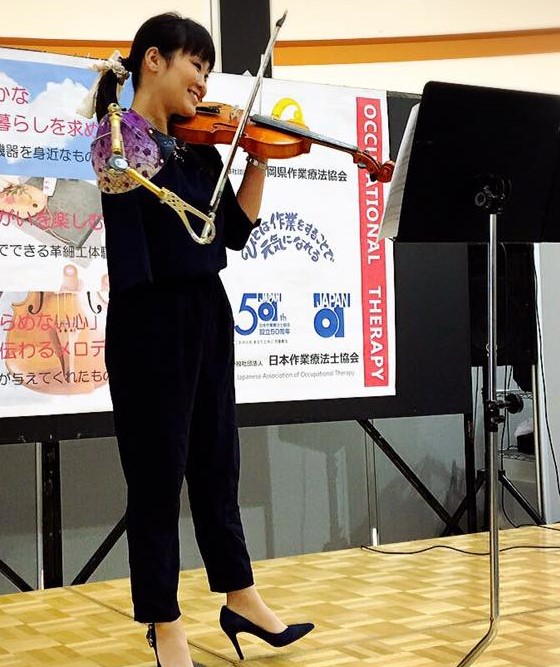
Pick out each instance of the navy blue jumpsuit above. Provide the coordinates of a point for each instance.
(169, 355)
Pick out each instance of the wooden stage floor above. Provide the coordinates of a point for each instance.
(415, 610)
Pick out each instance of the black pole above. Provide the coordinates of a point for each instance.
(52, 519)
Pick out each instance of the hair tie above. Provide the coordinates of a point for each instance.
(125, 62)
(113, 64)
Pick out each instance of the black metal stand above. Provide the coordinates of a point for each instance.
(520, 498)
(468, 504)
(13, 577)
(451, 521)
(101, 553)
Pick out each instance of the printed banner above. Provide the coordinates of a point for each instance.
(312, 292)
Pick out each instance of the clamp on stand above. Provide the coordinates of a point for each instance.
(493, 410)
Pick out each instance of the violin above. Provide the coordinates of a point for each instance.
(266, 137)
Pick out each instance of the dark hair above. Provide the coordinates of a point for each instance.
(168, 32)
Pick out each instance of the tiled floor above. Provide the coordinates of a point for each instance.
(415, 610)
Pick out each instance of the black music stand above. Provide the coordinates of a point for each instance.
(484, 168)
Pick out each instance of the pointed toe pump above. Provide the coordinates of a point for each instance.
(232, 624)
(151, 639)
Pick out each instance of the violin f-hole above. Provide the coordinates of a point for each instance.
(30, 306)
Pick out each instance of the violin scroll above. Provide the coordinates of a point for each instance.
(382, 172)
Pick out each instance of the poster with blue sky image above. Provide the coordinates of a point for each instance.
(41, 132)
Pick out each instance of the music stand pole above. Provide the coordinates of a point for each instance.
(492, 198)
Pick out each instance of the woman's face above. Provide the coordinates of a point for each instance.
(181, 83)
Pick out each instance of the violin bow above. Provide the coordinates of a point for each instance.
(220, 185)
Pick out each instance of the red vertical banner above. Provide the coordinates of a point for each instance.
(372, 251)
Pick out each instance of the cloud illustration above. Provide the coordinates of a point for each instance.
(58, 101)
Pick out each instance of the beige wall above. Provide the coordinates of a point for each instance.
(307, 19)
(99, 20)
(531, 72)
(333, 19)
(329, 20)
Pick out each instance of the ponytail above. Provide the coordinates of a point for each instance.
(106, 93)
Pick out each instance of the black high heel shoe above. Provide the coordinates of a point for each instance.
(151, 638)
(232, 624)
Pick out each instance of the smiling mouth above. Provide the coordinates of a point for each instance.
(194, 95)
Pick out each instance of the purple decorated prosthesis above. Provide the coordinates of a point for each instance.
(140, 150)
(126, 141)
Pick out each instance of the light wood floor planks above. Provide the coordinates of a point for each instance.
(416, 610)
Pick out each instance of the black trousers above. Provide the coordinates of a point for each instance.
(169, 355)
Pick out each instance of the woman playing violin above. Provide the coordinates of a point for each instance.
(169, 351)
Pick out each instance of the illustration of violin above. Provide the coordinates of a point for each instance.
(56, 343)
